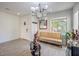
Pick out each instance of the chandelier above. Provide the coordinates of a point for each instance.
(40, 12)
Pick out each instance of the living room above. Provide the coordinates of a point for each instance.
(19, 21)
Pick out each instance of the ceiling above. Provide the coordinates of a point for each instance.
(24, 8)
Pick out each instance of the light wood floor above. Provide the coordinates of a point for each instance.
(21, 47)
(16, 47)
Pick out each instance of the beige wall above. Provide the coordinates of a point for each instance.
(32, 28)
(9, 27)
(76, 16)
(25, 30)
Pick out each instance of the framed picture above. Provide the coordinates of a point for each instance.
(42, 24)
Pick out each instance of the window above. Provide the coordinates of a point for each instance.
(59, 25)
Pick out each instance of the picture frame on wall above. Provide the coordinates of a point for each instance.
(42, 24)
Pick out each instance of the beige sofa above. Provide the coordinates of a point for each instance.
(50, 37)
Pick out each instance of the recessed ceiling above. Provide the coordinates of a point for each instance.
(23, 8)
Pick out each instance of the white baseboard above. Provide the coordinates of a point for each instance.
(8, 40)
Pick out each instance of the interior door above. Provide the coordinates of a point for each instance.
(34, 29)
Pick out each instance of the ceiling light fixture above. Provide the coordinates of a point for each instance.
(40, 11)
(18, 13)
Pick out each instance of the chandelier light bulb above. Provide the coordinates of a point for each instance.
(46, 6)
(18, 13)
(32, 8)
(37, 8)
